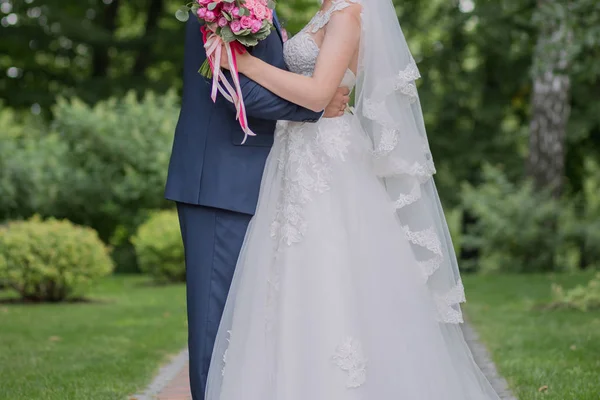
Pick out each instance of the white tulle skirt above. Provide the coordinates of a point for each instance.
(327, 301)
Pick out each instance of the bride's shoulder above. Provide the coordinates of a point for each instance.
(347, 6)
(345, 11)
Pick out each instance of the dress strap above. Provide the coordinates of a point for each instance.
(322, 17)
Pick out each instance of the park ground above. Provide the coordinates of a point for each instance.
(112, 345)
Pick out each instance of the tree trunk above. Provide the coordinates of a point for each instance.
(101, 60)
(550, 102)
(143, 59)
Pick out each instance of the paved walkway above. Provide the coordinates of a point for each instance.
(484, 360)
(178, 388)
(172, 382)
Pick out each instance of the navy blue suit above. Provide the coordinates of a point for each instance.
(215, 182)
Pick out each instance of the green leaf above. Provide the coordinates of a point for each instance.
(183, 13)
(243, 32)
(244, 11)
(266, 28)
(212, 6)
(260, 36)
(227, 34)
(248, 41)
(227, 16)
(271, 4)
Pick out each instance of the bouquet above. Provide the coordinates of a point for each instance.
(232, 26)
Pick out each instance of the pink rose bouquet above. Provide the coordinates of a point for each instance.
(232, 26)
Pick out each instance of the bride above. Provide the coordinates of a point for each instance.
(347, 286)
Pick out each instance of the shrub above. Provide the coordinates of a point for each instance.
(32, 176)
(16, 124)
(587, 226)
(517, 229)
(101, 166)
(159, 248)
(123, 252)
(32, 167)
(51, 260)
(118, 154)
(582, 298)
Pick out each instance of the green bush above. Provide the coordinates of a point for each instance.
(102, 166)
(159, 248)
(588, 228)
(32, 167)
(118, 154)
(582, 298)
(517, 229)
(51, 260)
(32, 176)
(18, 124)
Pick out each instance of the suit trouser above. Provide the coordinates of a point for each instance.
(212, 239)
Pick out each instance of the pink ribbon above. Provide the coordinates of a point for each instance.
(213, 44)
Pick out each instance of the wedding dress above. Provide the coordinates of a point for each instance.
(335, 295)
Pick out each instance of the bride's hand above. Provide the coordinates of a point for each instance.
(241, 59)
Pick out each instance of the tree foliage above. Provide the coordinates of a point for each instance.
(92, 49)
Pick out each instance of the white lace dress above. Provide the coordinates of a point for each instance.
(328, 301)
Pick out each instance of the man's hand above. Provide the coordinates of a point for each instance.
(338, 104)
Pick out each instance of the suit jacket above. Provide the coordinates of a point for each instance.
(208, 165)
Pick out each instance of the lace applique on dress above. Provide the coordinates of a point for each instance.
(225, 354)
(305, 157)
(305, 162)
(306, 152)
(349, 357)
(374, 110)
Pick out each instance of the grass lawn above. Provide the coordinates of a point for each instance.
(535, 347)
(106, 349)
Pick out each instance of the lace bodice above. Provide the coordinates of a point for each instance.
(301, 51)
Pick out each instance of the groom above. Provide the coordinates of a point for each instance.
(215, 181)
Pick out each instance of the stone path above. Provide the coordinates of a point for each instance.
(178, 388)
(484, 360)
(172, 381)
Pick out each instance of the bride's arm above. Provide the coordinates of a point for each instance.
(339, 46)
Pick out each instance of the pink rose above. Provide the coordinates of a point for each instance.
(256, 25)
(222, 22)
(250, 4)
(235, 26)
(210, 16)
(202, 13)
(260, 12)
(204, 2)
(228, 7)
(235, 12)
(270, 15)
(246, 22)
